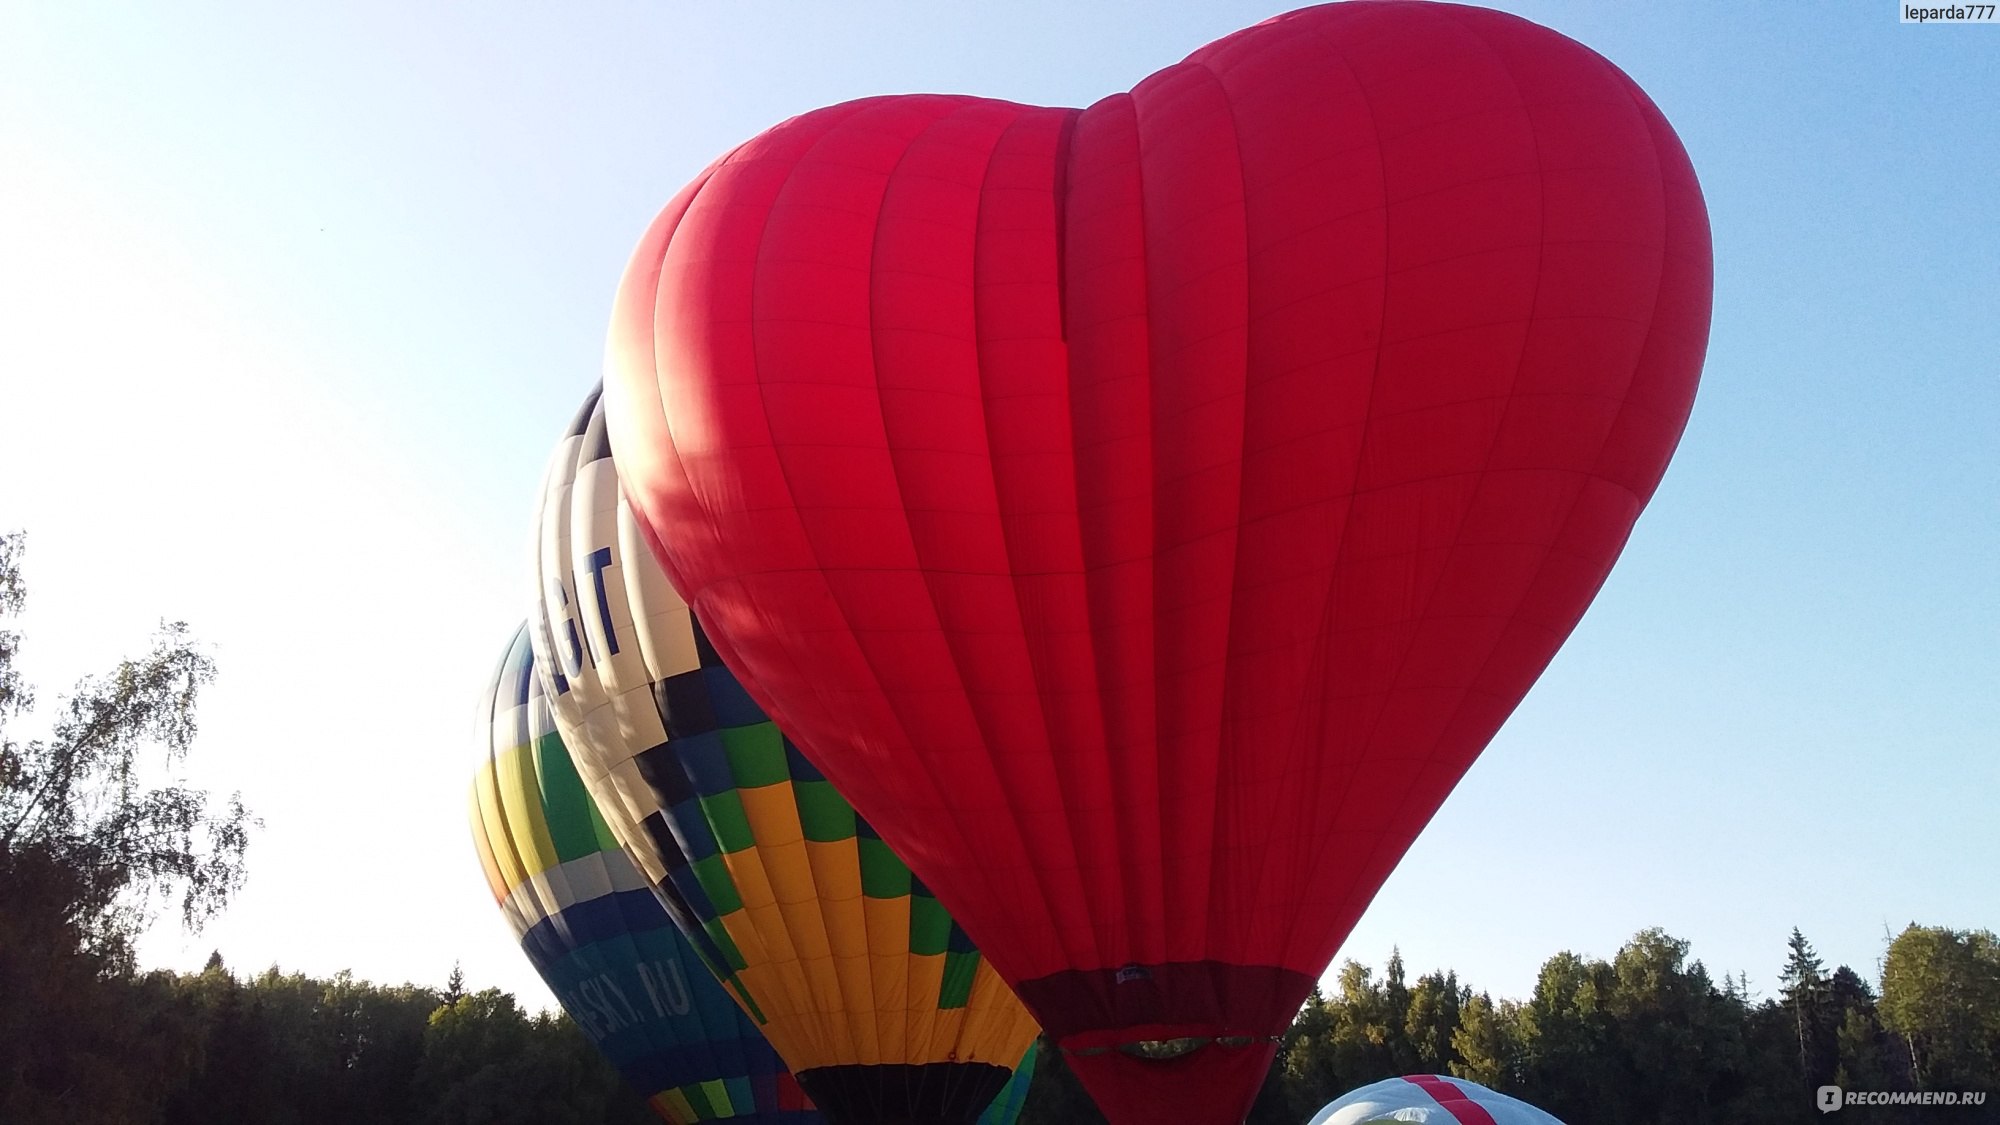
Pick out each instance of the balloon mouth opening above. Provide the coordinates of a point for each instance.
(1166, 1050)
(1163, 1048)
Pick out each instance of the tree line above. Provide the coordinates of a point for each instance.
(1645, 1038)
(209, 1048)
(1648, 1037)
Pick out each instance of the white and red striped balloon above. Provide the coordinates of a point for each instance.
(1431, 1099)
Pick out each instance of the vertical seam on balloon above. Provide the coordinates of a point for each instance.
(1066, 155)
(973, 1017)
(810, 1024)
(1097, 655)
(539, 804)
(1224, 730)
(561, 477)
(867, 934)
(1322, 650)
(807, 1008)
(924, 1016)
(526, 751)
(1065, 138)
(659, 1033)
(1412, 780)
(1650, 119)
(1091, 609)
(784, 475)
(1644, 123)
(547, 805)
(1136, 931)
(665, 890)
(571, 460)
(489, 764)
(671, 900)
(985, 1021)
(1007, 540)
(493, 821)
(638, 503)
(1563, 525)
(782, 917)
(557, 480)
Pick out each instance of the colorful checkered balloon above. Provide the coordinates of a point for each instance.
(864, 984)
(595, 933)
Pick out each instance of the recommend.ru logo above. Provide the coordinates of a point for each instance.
(1830, 1098)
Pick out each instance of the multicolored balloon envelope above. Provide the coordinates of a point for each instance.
(848, 964)
(1146, 513)
(595, 933)
(1430, 1099)
(1013, 1097)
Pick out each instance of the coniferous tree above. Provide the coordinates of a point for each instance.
(1402, 1055)
(1434, 1013)
(1574, 1068)
(1361, 1036)
(1680, 1037)
(1307, 1058)
(1806, 994)
(1489, 1043)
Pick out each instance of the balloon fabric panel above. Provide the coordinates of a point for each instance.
(593, 930)
(1145, 514)
(1006, 1108)
(847, 963)
(1429, 1098)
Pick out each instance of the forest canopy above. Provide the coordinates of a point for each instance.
(1645, 1037)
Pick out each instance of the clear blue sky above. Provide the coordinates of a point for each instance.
(295, 299)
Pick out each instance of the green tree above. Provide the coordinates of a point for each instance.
(234, 1078)
(486, 1063)
(1307, 1057)
(76, 799)
(1680, 1037)
(1770, 1090)
(1941, 994)
(1432, 1019)
(1396, 1015)
(1367, 1033)
(378, 1036)
(1865, 1057)
(1574, 1069)
(1490, 1043)
(88, 850)
(1806, 993)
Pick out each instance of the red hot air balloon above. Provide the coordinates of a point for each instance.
(1146, 513)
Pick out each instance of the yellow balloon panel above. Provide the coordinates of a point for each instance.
(841, 955)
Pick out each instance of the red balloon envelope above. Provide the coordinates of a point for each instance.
(1146, 513)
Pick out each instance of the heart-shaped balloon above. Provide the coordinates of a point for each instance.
(1146, 513)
